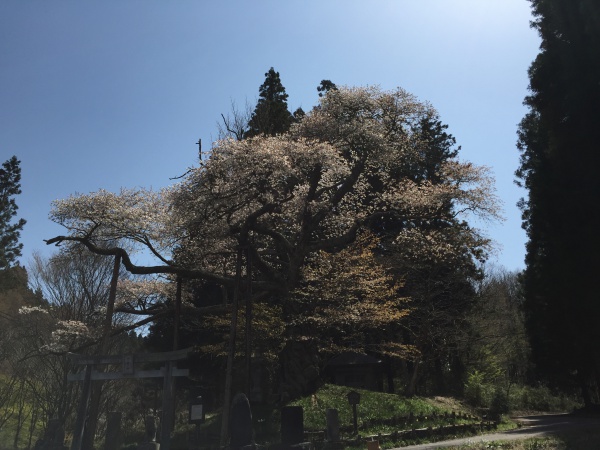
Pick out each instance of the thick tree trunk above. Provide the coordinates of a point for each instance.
(411, 388)
(300, 369)
(440, 382)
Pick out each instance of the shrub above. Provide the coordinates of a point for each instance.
(476, 389)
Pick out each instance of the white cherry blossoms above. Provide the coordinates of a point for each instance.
(290, 196)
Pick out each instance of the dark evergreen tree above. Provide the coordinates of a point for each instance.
(325, 86)
(299, 114)
(10, 185)
(271, 115)
(440, 147)
(559, 168)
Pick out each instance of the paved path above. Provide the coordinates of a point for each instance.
(533, 426)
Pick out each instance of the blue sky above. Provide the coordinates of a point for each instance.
(115, 93)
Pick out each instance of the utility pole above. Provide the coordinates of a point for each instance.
(231, 350)
(248, 322)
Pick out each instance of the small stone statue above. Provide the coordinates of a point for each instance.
(150, 425)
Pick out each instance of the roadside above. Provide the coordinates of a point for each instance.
(531, 426)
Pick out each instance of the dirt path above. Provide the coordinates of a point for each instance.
(532, 426)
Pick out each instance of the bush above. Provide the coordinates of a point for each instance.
(540, 398)
(500, 404)
(476, 390)
(480, 394)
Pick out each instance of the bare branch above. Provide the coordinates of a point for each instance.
(235, 123)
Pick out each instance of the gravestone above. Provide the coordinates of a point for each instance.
(333, 425)
(332, 432)
(292, 425)
(240, 423)
(113, 431)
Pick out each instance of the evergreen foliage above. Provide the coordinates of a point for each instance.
(10, 178)
(271, 115)
(559, 161)
(325, 86)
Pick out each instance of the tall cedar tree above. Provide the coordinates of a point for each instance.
(559, 168)
(10, 178)
(271, 115)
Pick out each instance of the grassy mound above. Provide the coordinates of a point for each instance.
(374, 407)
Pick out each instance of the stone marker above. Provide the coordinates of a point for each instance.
(240, 423)
(292, 425)
(333, 425)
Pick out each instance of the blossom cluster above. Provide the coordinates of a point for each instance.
(32, 310)
(138, 215)
(67, 335)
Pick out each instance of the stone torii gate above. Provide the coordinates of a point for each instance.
(128, 370)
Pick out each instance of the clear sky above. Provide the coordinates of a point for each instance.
(115, 93)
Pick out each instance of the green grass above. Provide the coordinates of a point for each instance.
(381, 413)
(373, 406)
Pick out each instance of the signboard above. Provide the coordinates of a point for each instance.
(353, 398)
(127, 365)
(197, 411)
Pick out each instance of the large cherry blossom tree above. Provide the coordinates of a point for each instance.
(288, 197)
(290, 202)
(296, 205)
